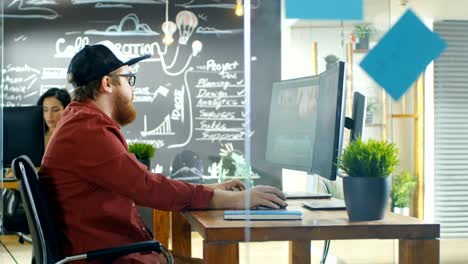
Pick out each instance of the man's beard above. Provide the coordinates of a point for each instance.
(124, 112)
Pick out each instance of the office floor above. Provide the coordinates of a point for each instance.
(341, 252)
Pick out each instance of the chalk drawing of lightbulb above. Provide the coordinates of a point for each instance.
(168, 28)
(196, 47)
(186, 23)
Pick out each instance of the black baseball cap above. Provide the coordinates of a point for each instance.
(94, 61)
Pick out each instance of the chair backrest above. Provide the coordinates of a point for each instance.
(45, 246)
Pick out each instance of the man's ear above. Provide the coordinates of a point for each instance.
(106, 86)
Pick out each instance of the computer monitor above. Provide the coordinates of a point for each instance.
(307, 121)
(356, 123)
(23, 134)
(330, 122)
(292, 123)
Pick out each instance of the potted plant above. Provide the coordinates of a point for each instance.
(143, 152)
(366, 185)
(363, 32)
(233, 165)
(330, 60)
(402, 187)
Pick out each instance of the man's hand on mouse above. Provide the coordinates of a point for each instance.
(267, 196)
(259, 195)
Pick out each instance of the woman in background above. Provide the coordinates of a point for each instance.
(54, 102)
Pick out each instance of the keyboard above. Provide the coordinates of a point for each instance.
(307, 195)
(332, 204)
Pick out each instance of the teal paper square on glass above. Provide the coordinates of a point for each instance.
(403, 54)
(324, 9)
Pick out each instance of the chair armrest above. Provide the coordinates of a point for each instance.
(8, 179)
(124, 250)
(115, 251)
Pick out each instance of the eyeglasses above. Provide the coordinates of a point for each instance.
(131, 78)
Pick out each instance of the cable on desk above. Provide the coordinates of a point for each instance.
(326, 244)
(326, 247)
(324, 183)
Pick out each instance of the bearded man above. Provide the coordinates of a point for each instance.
(92, 182)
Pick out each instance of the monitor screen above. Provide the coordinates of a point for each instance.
(23, 133)
(292, 123)
(330, 122)
(306, 122)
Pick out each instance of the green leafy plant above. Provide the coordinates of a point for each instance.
(233, 163)
(227, 163)
(402, 187)
(142, 151)
(364, 30)
(374, 158)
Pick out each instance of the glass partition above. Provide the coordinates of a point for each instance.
(310, 47)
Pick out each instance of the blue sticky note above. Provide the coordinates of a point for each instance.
(324, 9)
(403, 54)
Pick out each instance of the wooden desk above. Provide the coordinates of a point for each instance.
(418, 241)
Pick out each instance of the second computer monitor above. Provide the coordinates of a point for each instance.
(23, 133)
(356, 123)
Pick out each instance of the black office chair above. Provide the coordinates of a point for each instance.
(46, 248)
(12, 216)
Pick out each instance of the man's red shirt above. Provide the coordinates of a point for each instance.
(92, 184)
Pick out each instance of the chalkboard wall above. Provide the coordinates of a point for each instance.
(189, 95)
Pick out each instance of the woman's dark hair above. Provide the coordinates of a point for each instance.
(60, 94)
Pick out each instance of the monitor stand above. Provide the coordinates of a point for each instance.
(312, 185)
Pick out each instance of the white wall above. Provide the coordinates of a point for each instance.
(297, 39)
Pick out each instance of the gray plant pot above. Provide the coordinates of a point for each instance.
(362, 44)
(366, 198)
(146, 162)
(146, 214)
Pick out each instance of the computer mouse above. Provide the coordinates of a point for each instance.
(263, 207)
